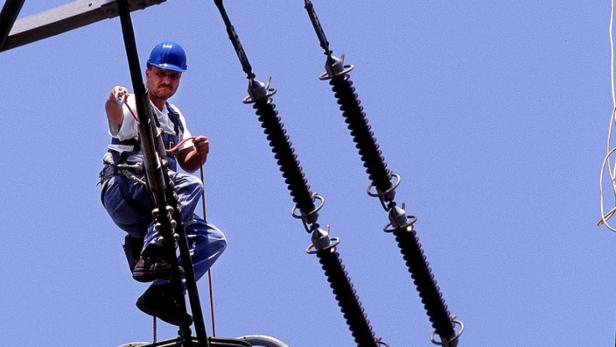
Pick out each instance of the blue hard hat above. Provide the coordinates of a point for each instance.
(169, 56)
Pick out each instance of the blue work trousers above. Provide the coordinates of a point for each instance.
(130, 205)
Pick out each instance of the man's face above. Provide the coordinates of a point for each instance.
(162, 84)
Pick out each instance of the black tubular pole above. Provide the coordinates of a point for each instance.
(189, 273)
(155, 174)
(152, 161)
(8, 15)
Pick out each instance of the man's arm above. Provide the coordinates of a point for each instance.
(113, 106)
(191, 158)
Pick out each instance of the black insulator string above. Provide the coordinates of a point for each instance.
(429, 291)
(303, 198)
(381, 178)
(375, 166)
(347, 298)
(354, 116)
(285, 155)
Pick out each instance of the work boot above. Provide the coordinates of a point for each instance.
(159, 301)
(152, 265)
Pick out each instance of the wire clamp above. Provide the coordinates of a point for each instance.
(311, 216)
(449, 342)
(398, 219)
(387, 195)
(321, 241)
(335, 67)
(258, 90)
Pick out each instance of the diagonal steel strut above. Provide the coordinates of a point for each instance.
(9, 14)
(167, 210)
(59, 19)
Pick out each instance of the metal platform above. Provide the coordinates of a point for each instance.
(243, 341)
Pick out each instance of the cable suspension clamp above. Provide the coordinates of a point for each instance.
(258, 90)
(453, 342)
(398, 219)
(321, 241)
(334, 67)
(387, 195)
(311, 216)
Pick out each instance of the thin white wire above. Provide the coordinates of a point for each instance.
(612, 51)
(609, 151)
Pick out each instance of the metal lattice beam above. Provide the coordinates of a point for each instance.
(61, 19)
(9, 14)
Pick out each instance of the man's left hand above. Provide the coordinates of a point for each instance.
(202, 146)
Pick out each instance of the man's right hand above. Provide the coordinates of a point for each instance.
(119, 94)
(113, 106)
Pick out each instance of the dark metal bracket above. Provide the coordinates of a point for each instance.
(57, 20)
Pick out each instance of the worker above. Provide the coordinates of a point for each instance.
(127, 199)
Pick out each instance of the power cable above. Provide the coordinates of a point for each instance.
(610, 149)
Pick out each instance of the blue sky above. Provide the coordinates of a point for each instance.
(495, 115)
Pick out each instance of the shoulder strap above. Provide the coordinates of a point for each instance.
(174, 116)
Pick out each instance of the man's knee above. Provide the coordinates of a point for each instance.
(188, 183)
(132, 249)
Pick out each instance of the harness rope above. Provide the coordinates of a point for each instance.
(209, 271)
(154, 329)
(172, 150)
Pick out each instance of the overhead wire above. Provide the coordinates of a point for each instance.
(607, 164)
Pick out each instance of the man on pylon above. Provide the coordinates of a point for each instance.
(126, 198)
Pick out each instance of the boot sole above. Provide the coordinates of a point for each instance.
(164, 316)
(149, 276)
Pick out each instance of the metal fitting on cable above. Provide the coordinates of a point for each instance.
(309, 218)
(397, 216)
(321, 241)
(386, 197)
(258, 90)
(334, 66)
(398, 219)
(452, 342)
